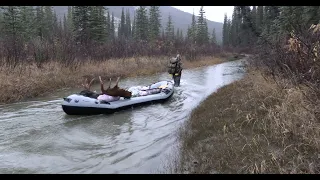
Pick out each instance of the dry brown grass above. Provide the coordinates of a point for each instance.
(30, 81)
(256, 125)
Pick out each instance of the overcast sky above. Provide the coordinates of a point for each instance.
(213, 13)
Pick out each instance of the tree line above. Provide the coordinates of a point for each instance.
(285, 39)
(36, 35)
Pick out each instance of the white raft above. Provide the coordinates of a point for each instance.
(76, 104)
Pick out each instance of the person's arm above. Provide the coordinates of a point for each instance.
(179, 70)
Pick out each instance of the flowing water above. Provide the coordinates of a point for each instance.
(36, 136)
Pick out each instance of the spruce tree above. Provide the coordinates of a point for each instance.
(154, 22)
(41, 24)
(163, 35)
(311, 15)
(193, 31)
(234, 38)
(202, 30)
(177, 34)
(28, 22)
(102, 24)
(229, 23)
(128, 24)
(122, 25)
(245, 32)
(169, 33)
(81, 23)
(225, 31)
(48, 22)
(69, 20)
(213, 37)
(259, 20)
(189, 33)
(12, 23)
(65, 24)
(133, 31)
(1, 23)
(55, 25)
(112, 28)
(142, 24)
(108, 26)
(173, 34)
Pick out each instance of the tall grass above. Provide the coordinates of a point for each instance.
(256, 125)
(29, 80)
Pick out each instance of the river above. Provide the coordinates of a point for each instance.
(37, 137)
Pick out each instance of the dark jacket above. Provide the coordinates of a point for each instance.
(175, 66)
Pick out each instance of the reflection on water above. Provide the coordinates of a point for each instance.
(36, 136)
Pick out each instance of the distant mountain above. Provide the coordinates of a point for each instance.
(180, 18)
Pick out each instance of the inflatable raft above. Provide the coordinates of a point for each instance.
(77, 104)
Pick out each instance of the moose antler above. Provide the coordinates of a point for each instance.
(117, 82)
(109, 84)
(86, 84)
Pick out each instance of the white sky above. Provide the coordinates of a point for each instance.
(213, 13)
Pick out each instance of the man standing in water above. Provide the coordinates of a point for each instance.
(175, 69)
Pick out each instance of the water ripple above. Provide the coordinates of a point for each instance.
(37, 137)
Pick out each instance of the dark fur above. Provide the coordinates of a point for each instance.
(116, 91)
(89, 94)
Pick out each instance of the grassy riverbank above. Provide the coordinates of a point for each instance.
(30, 81)
(255, 125)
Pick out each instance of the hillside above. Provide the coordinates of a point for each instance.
(180, 18)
